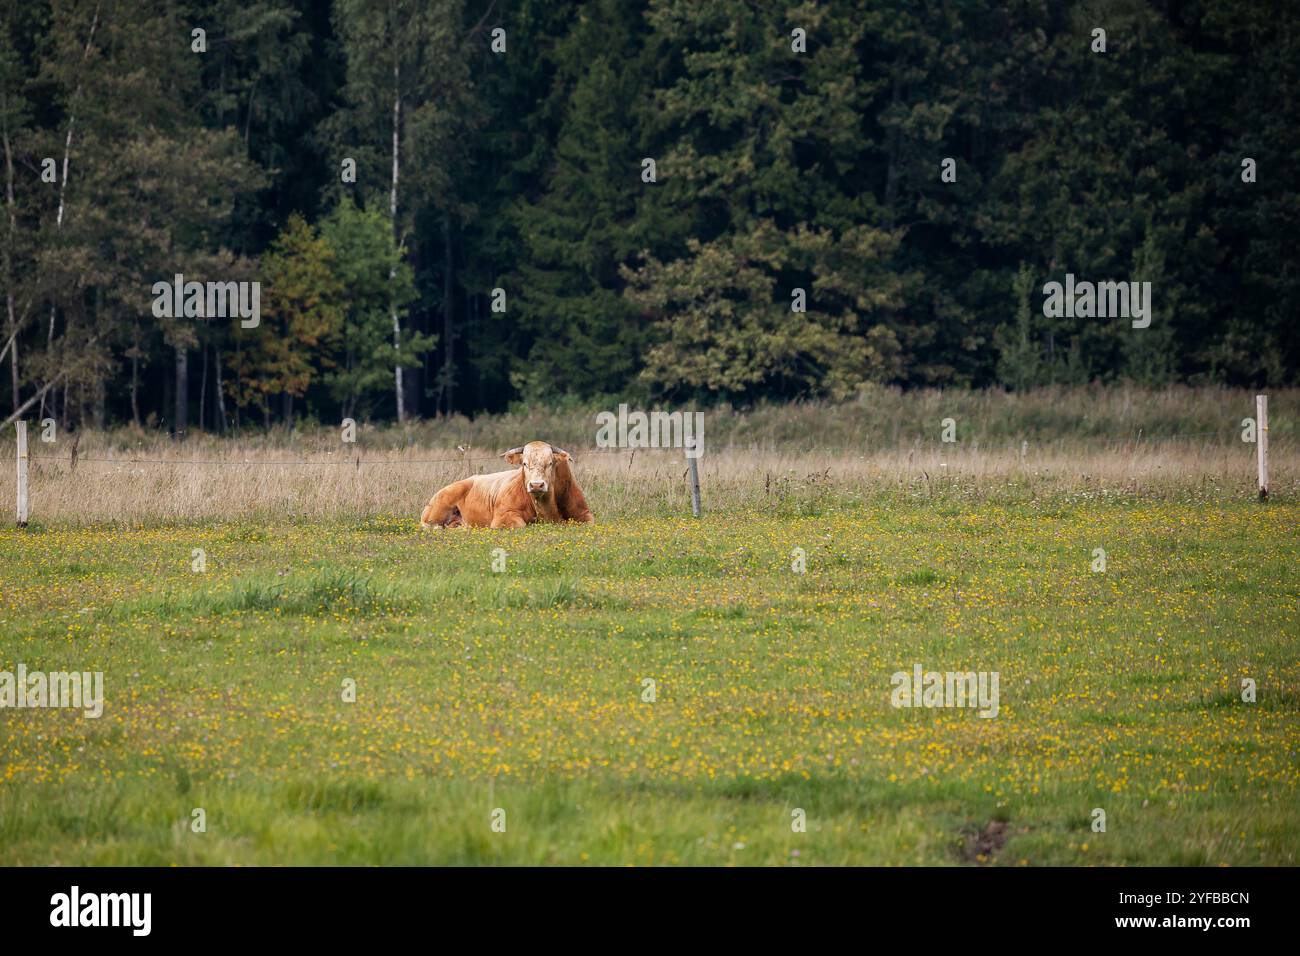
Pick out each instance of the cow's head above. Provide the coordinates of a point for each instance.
(539, 461)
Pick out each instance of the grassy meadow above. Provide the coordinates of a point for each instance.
(525, 689)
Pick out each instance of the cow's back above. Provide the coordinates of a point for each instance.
(494, 494)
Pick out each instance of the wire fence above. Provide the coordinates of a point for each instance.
(361, 460)
(351, 462)
(1134, 443)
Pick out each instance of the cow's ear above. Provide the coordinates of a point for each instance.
(514, 456)
(561, 454)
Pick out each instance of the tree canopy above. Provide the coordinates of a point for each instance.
(455, 205)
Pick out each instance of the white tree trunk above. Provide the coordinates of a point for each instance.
(11, 325)
(392, 208)
(67, 156)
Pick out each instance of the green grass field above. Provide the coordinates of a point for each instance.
(524, 690)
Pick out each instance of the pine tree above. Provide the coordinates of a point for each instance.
(586, 339)
(760, 178)
(1020, 364)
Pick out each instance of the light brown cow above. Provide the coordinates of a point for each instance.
(542, 488)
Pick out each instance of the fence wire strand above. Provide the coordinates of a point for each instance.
(353, 462)
(361, 460)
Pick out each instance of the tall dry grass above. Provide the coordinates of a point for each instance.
(797, 459)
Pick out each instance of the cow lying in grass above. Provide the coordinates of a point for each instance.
(541, 488)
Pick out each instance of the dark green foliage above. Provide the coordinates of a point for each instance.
(776, 171)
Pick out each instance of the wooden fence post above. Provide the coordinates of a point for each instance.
(695, 478)
(1261, 443)
(22, 473)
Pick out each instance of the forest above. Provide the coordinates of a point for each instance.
(459, 206)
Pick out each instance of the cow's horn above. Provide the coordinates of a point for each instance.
(513, 451)
(562, 452)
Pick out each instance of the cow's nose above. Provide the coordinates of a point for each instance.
(537, 486)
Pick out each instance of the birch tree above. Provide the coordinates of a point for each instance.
(405, 76)
(15, 117)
